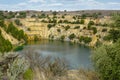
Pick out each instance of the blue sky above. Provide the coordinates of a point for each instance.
(59, 4)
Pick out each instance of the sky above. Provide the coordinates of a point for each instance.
(59, 5)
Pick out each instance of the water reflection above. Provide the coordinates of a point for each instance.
(75, 54)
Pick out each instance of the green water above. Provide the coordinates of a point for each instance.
(75, 55)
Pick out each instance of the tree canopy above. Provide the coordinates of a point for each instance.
(107, 61)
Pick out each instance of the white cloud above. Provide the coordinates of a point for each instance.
(114, 3)
(36, 1)
(55, 4)
(60, 5)
(22, 4)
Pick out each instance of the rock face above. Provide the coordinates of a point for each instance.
(35, 27)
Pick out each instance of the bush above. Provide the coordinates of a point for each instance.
(89, 27)
(104, 30)
(36, 38)
(67, 27)
(94, 30)
(58, 30)
(28, 75)
(66, 21)
(55, 13)
(107, 61)
(72, 36)
(85, 39)
(22, 15)
(17, 22)
(63, 16)
(60, 21)
(82, 21)
(18, 67)
(62, 38)
(5, 44)
(114, 35)
(49, 26)
(76, 27)
(51, 67)
(13, 30)
(91, 23)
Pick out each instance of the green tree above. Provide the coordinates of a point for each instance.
(54, 13)
(76, 27)
(67, 27)
(62, 38)
(18, 34)
(5, 45)
(114, 35)
(2, 23)
(91, 23)
(85, 39)
(36, 38)
(49, 26)
(72, 36)
(107, 61)
(116, 20)
(94, 30)
(82, 21)
(17, 22)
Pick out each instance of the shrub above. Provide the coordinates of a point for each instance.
(76, 27)
(114, 35)
(94, 30)
(49, 66)
(29, 29)
(72, 36)
(28, 75)
(19, 66)
(106, 61)
(55, 13)
(17, 22)
(36, 38)
(62, 38)
(91, 23)
(44, 21)
(83, 16)
(42, 15)
(60, 21)
(67, 27)
(49, 26)
(74, 17)
(88, 74)
(104, 30)
(89, 27)
(82, 21)
(85, 39)
(57, 67)
(58, 30)
(65, 21)
(63, 16)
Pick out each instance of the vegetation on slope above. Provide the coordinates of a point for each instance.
(18, 34)
(114, 34)
(5, 45)
(107, 61)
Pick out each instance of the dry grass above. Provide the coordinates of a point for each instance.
(45, 69)
(44, 66)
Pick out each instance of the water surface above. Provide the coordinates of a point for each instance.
(76, 55)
